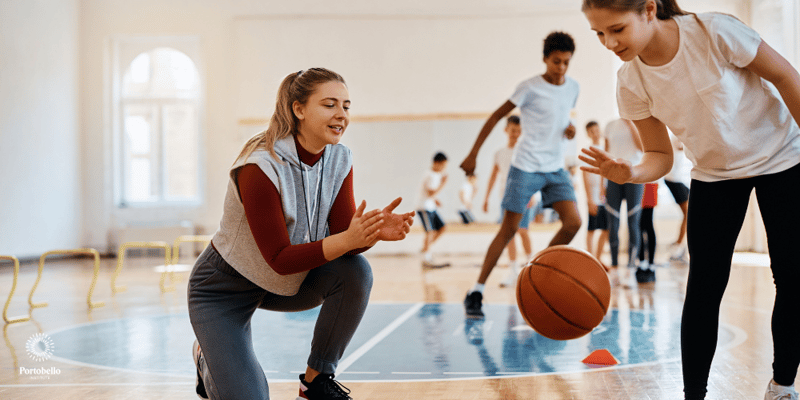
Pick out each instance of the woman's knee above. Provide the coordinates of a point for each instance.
(356, 270)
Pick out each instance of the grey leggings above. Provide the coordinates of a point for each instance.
(222, 302)
(632, 194)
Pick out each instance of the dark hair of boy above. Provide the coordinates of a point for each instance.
(558, 41)
(513, 119)
(439, 157)
(591, 124)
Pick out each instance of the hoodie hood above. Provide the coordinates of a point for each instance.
(286, 149)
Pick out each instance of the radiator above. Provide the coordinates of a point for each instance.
(150, 232)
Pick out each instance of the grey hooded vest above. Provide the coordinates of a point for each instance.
(302, 192)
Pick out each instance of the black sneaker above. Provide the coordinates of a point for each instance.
(323, 387)
(645, 275)
(473, 305)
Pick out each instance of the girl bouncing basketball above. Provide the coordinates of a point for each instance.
(735, 104)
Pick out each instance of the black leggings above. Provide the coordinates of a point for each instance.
(648, 235)
(716, 213)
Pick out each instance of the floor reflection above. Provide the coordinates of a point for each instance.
(437, 343)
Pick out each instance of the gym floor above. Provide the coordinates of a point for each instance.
(414, 342)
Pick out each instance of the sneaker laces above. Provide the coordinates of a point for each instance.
(335, 388)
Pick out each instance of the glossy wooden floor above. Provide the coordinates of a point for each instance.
(741, 372)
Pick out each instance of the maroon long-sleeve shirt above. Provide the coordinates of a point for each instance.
(264, 211)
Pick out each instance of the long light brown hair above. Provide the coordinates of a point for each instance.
(297, 86)
(666, 8)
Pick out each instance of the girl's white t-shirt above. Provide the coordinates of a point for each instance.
(594, 182)
(502, 158)
(466, 194)
(430, 181)
(732, 123)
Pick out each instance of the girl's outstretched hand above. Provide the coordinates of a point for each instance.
(364, 228)
(617, 170)
(395, 226)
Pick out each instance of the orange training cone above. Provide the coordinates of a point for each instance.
(601, 357)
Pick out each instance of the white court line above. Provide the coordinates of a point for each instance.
(411, 373)
(118, 369)
(360, 373)
(462, 373)
(347, 362)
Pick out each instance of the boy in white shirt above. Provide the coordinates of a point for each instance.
(545, 102)
(466, 194)
(595, 200)
(432, 184)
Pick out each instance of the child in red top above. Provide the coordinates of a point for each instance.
(646, 271)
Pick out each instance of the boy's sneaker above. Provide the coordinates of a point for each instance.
(778, 392)
(511, 279)
(678, 253)
(323, 387)
(200, 387)
(645, 275)
(432, 265)
(473, 304)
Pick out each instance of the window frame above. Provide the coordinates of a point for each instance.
(123, 50)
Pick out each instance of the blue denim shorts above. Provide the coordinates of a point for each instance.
(526, 219)
(521, 186)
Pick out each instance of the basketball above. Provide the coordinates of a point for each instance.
(563, 292)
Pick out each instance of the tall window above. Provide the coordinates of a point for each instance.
(157, 126)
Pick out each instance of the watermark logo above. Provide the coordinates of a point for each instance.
(40, 347)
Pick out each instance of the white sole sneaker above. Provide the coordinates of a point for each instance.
(777, 392)
(199, 385)
(510, 280)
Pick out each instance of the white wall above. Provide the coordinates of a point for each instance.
(40, 192)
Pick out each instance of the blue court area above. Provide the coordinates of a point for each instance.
(395, 342)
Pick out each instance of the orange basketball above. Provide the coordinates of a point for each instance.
(563, 292)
